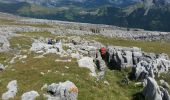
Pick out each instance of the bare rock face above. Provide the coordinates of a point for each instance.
(30, 95)
(12, 90)
(62, 91)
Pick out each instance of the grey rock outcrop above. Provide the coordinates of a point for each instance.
(151, 67)
(12, 90)
(144, 64)
(122, 57)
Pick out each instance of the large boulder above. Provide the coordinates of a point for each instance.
(62, 91)
(30, 95)
(87, 62)
(12, 90)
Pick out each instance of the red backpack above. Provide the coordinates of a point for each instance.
(103, 51)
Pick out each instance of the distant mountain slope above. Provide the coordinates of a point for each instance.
(146, 14)
(84, 3)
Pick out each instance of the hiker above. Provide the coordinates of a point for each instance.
(50, 41)
(57, 41)
(103, 53)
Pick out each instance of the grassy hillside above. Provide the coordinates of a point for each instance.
(28, 71)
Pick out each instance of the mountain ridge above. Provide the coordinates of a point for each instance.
(137, 15)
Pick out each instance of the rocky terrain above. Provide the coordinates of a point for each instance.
(57, 60)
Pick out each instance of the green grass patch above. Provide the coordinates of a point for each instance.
(37, 34)
(28, 71)
(21, 42)
(6, 21)
(29, 78)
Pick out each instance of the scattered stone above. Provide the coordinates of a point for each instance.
(49, 71)
(106, 82)
(12, 90)
(59, 60)
(30, 95)
(22, 57)
(44, 87)
(42, 73)
(66, 67)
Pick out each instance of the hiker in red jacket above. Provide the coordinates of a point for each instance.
(103, 53)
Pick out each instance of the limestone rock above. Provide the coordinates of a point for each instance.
(122, 57)
(87, 62)
(30, 95)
